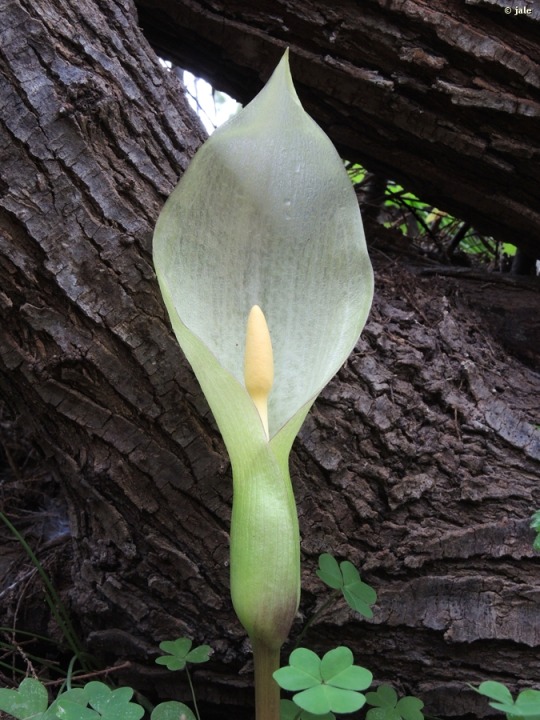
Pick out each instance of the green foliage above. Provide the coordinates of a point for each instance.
(386, 705)
(29, 701)
(526, 705)
(429, 227)
(535, 524)
(356, 173)
(345, 577)
(96, 701)
(290, 711)
(93, 702)
(180, 653)
(172, 710)
(330, 684)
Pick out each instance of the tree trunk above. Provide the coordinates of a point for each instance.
(418, 463)
(441, 96)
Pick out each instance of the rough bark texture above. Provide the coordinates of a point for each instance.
(443, 96)
(419, 462)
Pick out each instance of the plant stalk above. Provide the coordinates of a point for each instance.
(266, 661)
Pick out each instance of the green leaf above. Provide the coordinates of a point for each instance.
(112, 704)
(180, 653)
(29, 701)
(335, 662)
(528, 703)
(384, 696)
(327, 685)
(329, 571)
(291, 711)
(172, 710)
(382, 713)
(337, 669)
(388, 707)
(495, 691)
(302, 672)
(66, 709)
(358, 594)
(410, 708)
(70, 705)
(200, 654)
(179, 647)
(324, 698)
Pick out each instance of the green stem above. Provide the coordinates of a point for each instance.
(324, 607)
(266, 662)
(58, 610)
(193, 694)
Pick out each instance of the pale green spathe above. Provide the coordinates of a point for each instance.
(265, 215)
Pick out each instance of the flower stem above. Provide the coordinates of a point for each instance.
(267, 692)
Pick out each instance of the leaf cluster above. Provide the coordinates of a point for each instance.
(345, 577)
(180, 652)
(526, 705)
(388, 707)
(94, 701)
(322, 686)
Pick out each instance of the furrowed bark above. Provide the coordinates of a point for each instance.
(442, 96)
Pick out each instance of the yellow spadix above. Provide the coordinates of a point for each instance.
(259, 363)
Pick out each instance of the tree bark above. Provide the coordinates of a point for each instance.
(419, 462)
(443, 97)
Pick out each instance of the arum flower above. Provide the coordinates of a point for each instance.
(264, 225)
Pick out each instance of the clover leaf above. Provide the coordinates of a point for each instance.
(29, 701)
(180, 653)
(328, 684)
(172, 710)
(345, 577)
(388, 707)
(526, 705)
(290, 711)
(112, 704)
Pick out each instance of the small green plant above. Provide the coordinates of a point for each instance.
(291, 711)
(526, 705)
(535, 524)
(330, 684)
(96, 701)
(345, 578)
(179, 654)
(386, 705)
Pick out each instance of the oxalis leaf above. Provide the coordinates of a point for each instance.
(345, 577)
(526, 705)
(172, 710)
(29, 701)
(388, 707)
(112, 704)
(180, 653)
(291, 711)
(330, 684)
(264, 216)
